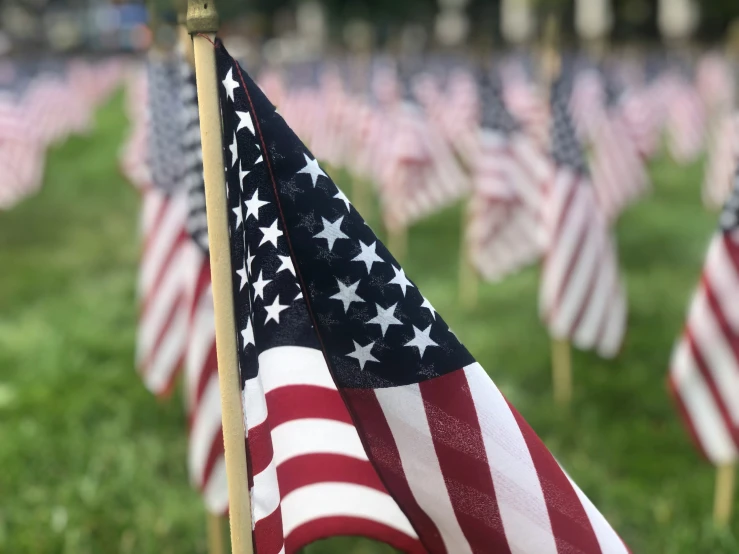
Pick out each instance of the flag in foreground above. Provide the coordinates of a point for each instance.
(704, 371)
(416, 447)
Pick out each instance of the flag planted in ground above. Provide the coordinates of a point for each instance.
(704, 370)
(582, 298)
(509, 175)
(364, 413)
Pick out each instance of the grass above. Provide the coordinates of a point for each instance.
(90, 462)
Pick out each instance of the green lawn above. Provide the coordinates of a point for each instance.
(91, 463)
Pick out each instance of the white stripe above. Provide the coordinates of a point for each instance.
(322, 500)
(564, 247)
(164, 364)
(724, 280)
(205, 427)
(586, 333)
(160, 304)
(254, 403)
(315, 436)
(615, 329)
(576, 289)
(167, 232)
(201, 338)
(215, 492)
(518, 491)
(609, 541)
(717, 354)
(265, 494)
(293, 365)
(405, 413)
(701, 407)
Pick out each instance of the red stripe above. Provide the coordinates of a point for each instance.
(206, 373)
(268, 534)
(305, 402)
(181, 241)
(732, 249)
(157, 219)
(309, 469)
(260, 447)
(570, 524)
(457, 438)
(687, 419)
(729, 333)
(383, 452)
(573, 262)
(705, 371)
(595, 276)
(324, 528)
(215, 453)
(172, 313)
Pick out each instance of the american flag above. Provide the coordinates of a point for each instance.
(686, 123)
(587, 103)
(643, 121)
(619, 173)
(504, 228)
(424, 452)
(582, 298)
(205, 457)
(167, 257)
(704, 370)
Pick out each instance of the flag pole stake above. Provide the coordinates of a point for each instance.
(724, 495)
(398, 242)
(215, 535)
(469, 282)
(562, 372)
(202, 23)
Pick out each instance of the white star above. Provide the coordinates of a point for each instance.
(287, 264)
(341, 196)
(422, 340)
(273, 311)
(242, 174)
(311, 168)
(400, 279)
(331, 232)
(300, 294)
(362, 354)
(426, 304)
(253, 205)
(242, 273)
(259, 286)
(385, 318)
(239, 217)
(368, 256)
(234, 148)
(347, 295)
(245, 121)
(249, 260)
(229, 84)
(259, 160)
(271, 234)
(248, 334)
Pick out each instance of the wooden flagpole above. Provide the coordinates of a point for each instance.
(213, 521)
(202, 23)
(469, 280)
(724, 495)
(561, 355)
(215, 535)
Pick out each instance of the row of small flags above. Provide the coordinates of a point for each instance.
(42, 106)
(305, 263)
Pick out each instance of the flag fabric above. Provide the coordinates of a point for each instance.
(704, 370)
(504, 231)
(205, 456)
(686, 123)
(424, 452)
(619, 173)
(582, 298)
(163, 286)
